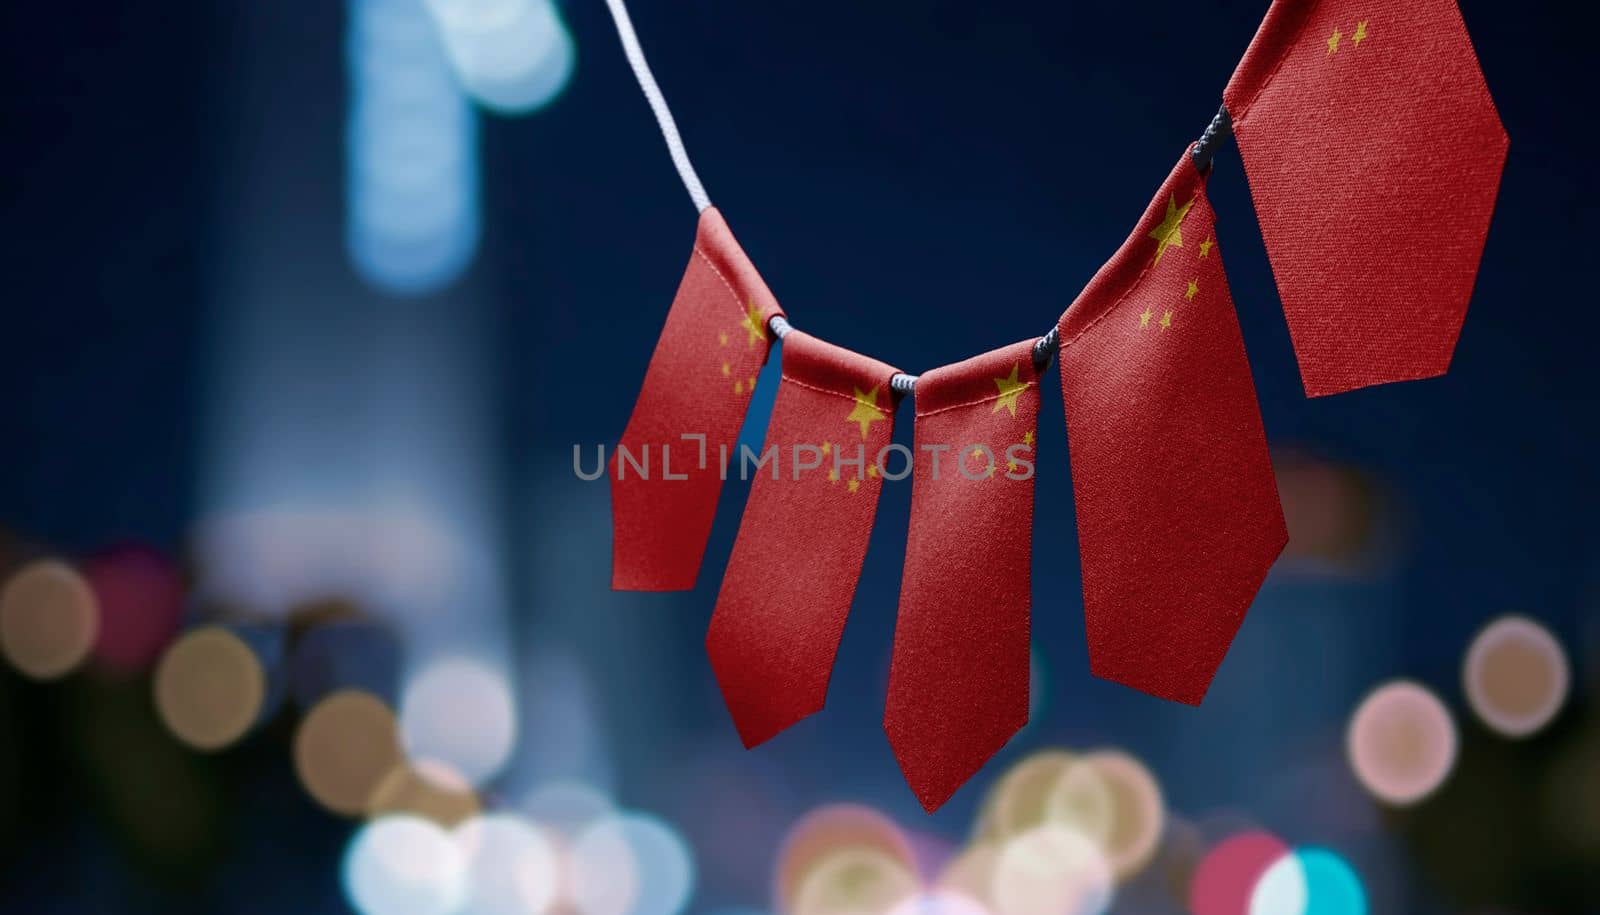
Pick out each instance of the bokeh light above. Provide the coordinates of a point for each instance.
(426, 788)
(512, 868)
(344, 748)
(855, 880)
(210, 688)
(1516, 676)
(402, 865)
(412, 152)
(566, 807)
(48, 619)
(1051, 870)
(829, 829)
(1401, 743)
(140, 593)
(1309, 881)
(631, 864)
(1020, 800)
(1081, 800)
(1226, 879)
(1282, 889)
(971, 872)
(460, 712)
(512, 56)
(1135, 813)
(940, 902)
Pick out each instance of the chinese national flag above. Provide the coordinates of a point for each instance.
(1178, 515)
(1374, 153)
(958, 684)
(793, 571)
(698, 383)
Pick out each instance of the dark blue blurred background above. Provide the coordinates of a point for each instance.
(916, 181)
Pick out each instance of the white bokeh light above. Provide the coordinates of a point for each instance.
(512, 869)
(512, 56)
(460, 712)
(404, 865)
(1282, 889)
(411, 152)
(631, 864)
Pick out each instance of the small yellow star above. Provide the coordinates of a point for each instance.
(872, 471)
(755, 329)
(866, 411)
(1194, 287)
(1144, 319)
(1361, 33)
(1170, 232)
(853, 485)
(827, 448)
(722, 338)
(1027, 438)
(751, 387)
(977, 452)
(1333, 41)
(1010, 390)
(738, 387)
(1011, 466)
(1206, 246)
(1166, 320)
(727, 370)
(833, 475)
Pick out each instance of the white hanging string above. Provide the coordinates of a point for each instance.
(658, 103)
(1218, 131)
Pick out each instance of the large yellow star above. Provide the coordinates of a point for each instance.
(1010, 390)
(1170, 232)
(866, 411)
(754, 328)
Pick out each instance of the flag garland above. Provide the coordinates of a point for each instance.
(1178, 524)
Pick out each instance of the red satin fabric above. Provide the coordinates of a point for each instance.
(698, 382)
(1178, 515)
(1374, 154)
(958, 683)
(798, 555)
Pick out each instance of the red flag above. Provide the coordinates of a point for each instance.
(1178, 515)
(1374, 154)
(958, 684)
(665, 480)
(792, 575)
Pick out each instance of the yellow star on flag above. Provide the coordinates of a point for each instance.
(1166, 320)
(827, 448)
(833, 475)
(853, 485)
(1194, 287)
(1206, 246)
(755, 329)
(1027, 438)
(722, 338)
(1144, 319)
(1010, 390)
(1170, 232)
(1333, 41)
(738, 387)
(872, 471)
(1361, 33)
(866, 411)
